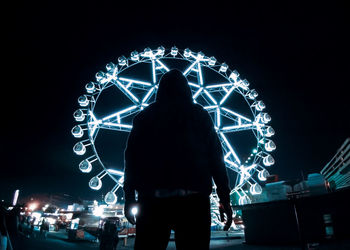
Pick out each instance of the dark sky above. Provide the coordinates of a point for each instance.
(294, 55)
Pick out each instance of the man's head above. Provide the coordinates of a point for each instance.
(173, 88)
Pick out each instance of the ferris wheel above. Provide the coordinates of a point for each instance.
(213, 85)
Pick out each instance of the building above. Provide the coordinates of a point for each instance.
(337, 170)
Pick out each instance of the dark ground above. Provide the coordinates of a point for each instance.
(57, 240)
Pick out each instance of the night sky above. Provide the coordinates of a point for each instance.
(294, 55)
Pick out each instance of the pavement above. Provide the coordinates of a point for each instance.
(219, 241)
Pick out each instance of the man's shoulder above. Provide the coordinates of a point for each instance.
(146, 113)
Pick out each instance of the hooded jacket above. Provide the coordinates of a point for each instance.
(173, 145)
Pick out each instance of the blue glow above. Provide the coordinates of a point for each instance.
(212, 97)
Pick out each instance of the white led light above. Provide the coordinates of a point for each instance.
(263, 174)
(270, 146)
(187, 52)
(90, 87)
(255, 189)
(79, 148)
(110, 67)
(95, 183)
(252, 94)
(268, 160)
(135, 56)
(100, 75)
(269, 131)
(85, 166)
(77, 131)
(174, 51)
(83, 101)
(212, 61)
(223, 67)
(110, 198)
(79, 115)
(122, 61)
(234, 75)
(260, 105)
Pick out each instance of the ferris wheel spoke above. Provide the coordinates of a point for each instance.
(234, 115)
(245, 173)
(226, 144)
(117, 116)
(215, 98)
(116, 126)
(126, 91)
(239, 127)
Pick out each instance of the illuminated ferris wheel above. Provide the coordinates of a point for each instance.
(232, 105)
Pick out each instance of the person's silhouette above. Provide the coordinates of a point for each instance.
(172, 155)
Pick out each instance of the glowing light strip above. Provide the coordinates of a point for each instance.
(238, 127)
(189, 68)
(236, 114)
(135, 81)
(197, 93)
(95, 122)
(210, 107)
(231, 163)
(218, 118)
(230, 147)
(163, 66)
(193, 84)
(117, 125)
(127, 91)
(115, 172)
(210, 96)
(227, 94)
(200, 74)
(244, 172)
(154, 72)
(148, 95)
(119, 113)
(221, 85)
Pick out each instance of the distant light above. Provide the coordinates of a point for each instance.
(33, 206)
(134, 211)
(15, 197)
(98, 211)
(255, 151)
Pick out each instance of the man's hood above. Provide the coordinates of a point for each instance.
(173, 88)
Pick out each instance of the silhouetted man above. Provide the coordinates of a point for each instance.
(172, 155)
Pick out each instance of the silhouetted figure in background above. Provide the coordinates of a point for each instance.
(109, 236)
(172, 155)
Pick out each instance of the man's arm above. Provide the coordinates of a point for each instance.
(217, 165)
(130, 158)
